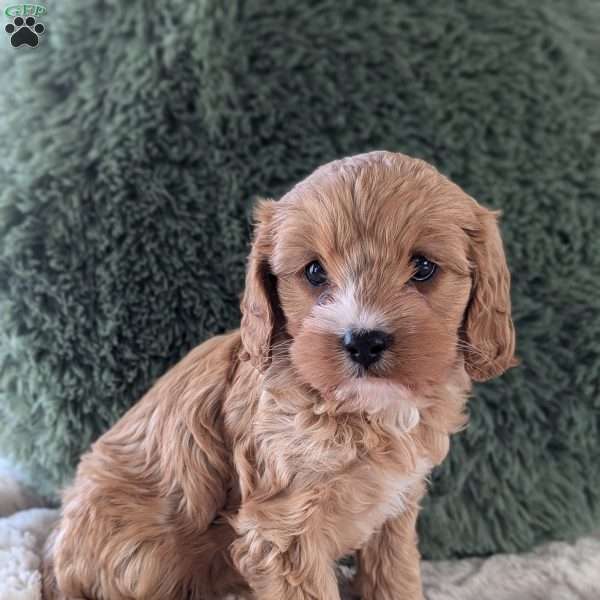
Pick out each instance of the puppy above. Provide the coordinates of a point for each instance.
(376, 291)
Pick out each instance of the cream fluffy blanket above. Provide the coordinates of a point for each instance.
(557, 571)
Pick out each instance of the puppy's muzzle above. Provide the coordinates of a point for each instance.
(365, 347)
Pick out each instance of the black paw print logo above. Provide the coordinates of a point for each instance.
(24, 31)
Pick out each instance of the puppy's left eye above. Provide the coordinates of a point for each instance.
(424, 268)
(315, 273)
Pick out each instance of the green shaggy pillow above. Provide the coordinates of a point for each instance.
(135, 136)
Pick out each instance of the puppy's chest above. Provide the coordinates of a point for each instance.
(376, 493)
(359, 489)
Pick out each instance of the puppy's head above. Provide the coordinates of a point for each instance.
(379, 279)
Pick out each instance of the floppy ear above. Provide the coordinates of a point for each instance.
(488, 326)
(259, 303)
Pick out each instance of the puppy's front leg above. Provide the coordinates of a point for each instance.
(282, 552)
(389, 565)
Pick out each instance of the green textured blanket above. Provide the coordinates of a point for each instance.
(136, 134)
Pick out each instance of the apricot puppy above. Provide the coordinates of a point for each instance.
(376, 291)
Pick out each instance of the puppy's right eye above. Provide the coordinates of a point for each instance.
(315, 273)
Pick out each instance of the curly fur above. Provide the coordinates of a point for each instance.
(264, 456)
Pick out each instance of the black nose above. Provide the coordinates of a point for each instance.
(366, 346)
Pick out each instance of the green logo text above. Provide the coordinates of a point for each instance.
(25, 10)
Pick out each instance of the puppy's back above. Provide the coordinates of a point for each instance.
(148, 490)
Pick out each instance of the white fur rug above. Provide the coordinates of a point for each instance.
(556, 571)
